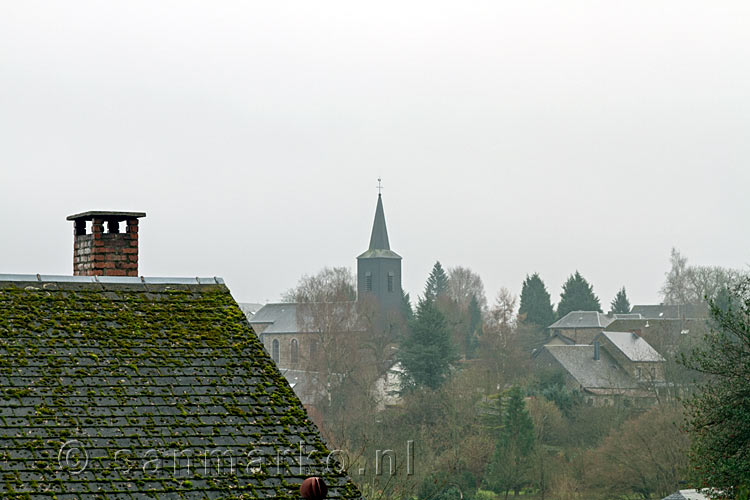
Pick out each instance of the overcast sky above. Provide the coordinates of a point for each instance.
(511, 137)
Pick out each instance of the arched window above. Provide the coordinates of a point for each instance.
(295, 352)
(275, 350)
(368, 282)
(391, 277)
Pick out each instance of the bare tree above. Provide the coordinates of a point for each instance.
(686, 284)
(463, 283)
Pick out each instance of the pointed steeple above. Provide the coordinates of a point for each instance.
(379, 237)
(379, 268)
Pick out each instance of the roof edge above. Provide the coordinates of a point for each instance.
(125, 280)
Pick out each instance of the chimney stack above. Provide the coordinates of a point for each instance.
(107, 248)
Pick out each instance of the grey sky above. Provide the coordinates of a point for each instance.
(512, 137)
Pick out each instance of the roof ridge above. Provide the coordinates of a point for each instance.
(126, 280)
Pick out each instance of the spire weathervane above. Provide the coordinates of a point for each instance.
(380, 186)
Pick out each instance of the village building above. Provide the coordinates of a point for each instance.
(580, 327)
(667, 336)
(615, 368)
(671, 311)
(116, 386)
(294, 333)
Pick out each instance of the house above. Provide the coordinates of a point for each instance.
(580, 326)
(613, 369)
(117, 386)
(667, 336)
(633, 354)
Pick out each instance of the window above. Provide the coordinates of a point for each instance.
(275, 351)
(390, 282)
(313, 349)
(368, 282)
(294, 352)
(638, 373)
(653, 373)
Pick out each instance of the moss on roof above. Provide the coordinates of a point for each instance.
(141, 377)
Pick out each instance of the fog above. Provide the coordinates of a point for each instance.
(511, 137)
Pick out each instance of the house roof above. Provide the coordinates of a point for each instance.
(157, 369)
(686, 495)
(582, 319)
(634, 347)
(604, 373)
(627, 316)
(671, 311)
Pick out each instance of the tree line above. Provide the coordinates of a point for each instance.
(487, 423)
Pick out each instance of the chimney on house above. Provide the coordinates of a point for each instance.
(596, 350)
(105, 243)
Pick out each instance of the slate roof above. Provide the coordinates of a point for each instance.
(627, 316)
(604, 373)
(633, 346)
(686, 495)
(582, 319)
(293, 317)
(136, 372)
(249, 308)
(671, 311)
(280, 318)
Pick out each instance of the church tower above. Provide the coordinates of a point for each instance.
(379, 268)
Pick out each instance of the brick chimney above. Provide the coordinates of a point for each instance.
(113, 252)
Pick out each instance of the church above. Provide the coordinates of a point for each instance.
(291, 331)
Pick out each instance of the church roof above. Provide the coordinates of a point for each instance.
(380, 247)
(106, 383)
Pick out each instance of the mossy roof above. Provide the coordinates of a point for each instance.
(156, 371)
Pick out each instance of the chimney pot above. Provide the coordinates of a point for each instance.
(100, 253)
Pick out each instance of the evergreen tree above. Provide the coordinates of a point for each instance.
(511, 465)
(406, 311)
(620, 304)
(536, 306)
(719, 415)
(426, 353)
(577, 295)
(474, 330)
(437, 283)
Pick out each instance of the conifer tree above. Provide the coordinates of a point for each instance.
(406, 311)
(536, 306)
(511, 465)
(437, 283)
(577, 295)
(719, 412)
(620, 304)
(426, 353)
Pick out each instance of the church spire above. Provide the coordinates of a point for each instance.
(379, 237)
